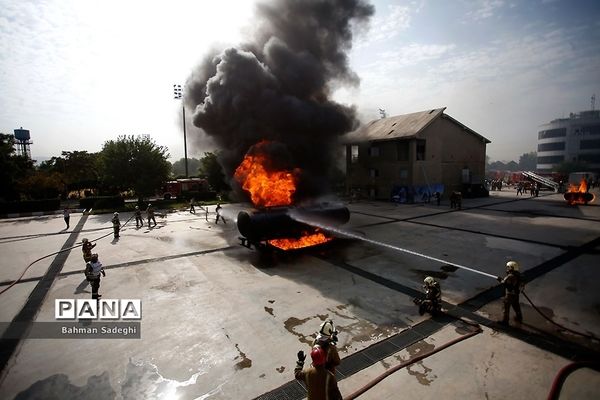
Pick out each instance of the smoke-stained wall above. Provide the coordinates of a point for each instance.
(277, 86)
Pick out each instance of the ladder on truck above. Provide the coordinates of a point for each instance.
(541, 180)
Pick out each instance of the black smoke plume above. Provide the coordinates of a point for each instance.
(277, 86)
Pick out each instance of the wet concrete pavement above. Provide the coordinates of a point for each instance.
(220, 322)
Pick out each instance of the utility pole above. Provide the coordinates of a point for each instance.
(178, 95)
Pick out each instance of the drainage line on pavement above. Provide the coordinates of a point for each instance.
(556, 323)
(53, 254)
(398, 367)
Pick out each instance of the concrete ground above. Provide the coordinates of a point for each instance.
(221, 322)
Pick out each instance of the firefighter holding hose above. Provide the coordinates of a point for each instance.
(320, 382)
(327, 340)
(512, 288)
(432, 303)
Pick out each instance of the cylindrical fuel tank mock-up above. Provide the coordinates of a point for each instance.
(289, 222)
(578, 197)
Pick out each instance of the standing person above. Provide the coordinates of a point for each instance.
(218, 210)
(116, 224)
(192, 209)
(67, 216)
(87, 247)
(93, 269)
(150, 212)
(320, 382)
(327, 340)
(512, 288)
(206, 213)
(438, 198)
(139, 221)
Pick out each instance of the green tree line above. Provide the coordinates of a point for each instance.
(135, 164)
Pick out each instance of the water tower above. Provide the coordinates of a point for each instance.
(22, 142)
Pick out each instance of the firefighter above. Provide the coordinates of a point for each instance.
(432, 303)
(87, 247)
(93, 269)
(327, 340)
(139, 221)
(150, 212)
(218, 211)
(512, 288)
(192, 209)
(320, 382)
(116, 224)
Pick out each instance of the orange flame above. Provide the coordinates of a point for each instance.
(270, 189)
(582, 188)
(305, 241)
(579, 194)
(266, 188)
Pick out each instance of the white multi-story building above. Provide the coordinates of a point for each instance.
(573, 139)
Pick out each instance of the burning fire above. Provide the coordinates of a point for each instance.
(579, 194)
(582, 188)
(269, 188)
(266, 188)
(305, 241)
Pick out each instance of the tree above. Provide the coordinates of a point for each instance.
(77, 170)
(134, 163)
(13, 168)
(528, 161)
(212, 170)
(178, 167)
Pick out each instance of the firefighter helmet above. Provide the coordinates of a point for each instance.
(512, 266)
(116, 214)
(429, 281)
(327, 328)
(94, 257)
(85, 240)
(318, 356)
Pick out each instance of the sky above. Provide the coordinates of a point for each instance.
(79, 73)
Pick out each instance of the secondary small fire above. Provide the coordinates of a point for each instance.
(270, 187)
(578, 194)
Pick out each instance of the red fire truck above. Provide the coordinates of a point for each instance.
(179, 187)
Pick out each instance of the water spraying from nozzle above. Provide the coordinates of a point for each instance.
(326, 227)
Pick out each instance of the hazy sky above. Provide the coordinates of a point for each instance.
(78, 73)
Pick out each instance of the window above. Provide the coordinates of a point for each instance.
(373, 173)
(374, 151)
(550, 159)
(402, 149)
(551, 146)
(589, 144)
(591, 158)
(420, 149)
(591, 130)
(354, 153)
(550, 133)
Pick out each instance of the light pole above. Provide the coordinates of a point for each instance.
(178, 95)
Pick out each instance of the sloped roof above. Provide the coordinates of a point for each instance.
(400, 126)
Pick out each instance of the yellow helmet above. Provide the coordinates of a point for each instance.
(512, 266)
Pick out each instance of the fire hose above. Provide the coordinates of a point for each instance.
(556, 323)
(418, 358)
(562, 375)
(55, 253)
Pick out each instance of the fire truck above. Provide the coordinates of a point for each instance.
(180, 187)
